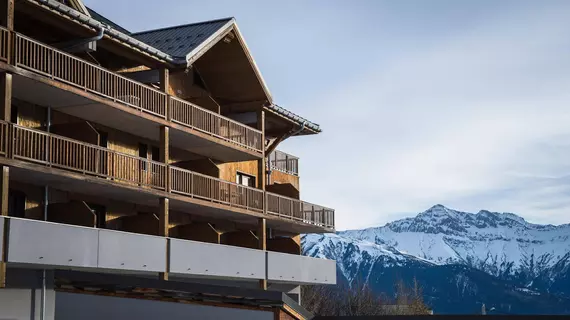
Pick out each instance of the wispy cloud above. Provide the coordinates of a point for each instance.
(474, 121)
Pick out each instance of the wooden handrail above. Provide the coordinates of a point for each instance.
(190, 115)
(35, 56)
(281, 161)
(62, 152)
(299, 210)
(197, 185)
(57, 151)
(61, 66)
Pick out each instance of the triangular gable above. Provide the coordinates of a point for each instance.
(192, 41)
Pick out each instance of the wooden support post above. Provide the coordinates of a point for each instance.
(261, 169)
(262, 238)
(261, 173)
(7, 14)
(165, 154)
(6, 96)
(4, 188)
(164, 78)
(163, 231)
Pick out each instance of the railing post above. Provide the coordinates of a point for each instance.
(165, 153)
(312, 213)
(84, 158)
(192, 184)
(164, 78)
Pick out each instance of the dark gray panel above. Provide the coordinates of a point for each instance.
(52, 244)
(130, 251)
(215, 260)
(72, 306)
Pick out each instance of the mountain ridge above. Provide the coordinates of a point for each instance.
(524, 260)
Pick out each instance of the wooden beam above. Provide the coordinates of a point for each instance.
(165, 153)
(163, 231)
(6, 96)
(276, 142)
(262, 238)
(261, 162)
(7, 14)
(164, 79)
(5, 187)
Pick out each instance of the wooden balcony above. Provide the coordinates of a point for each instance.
(284, 162)
(47, 76)
(123, 170)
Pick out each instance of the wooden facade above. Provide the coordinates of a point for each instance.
(137, 143)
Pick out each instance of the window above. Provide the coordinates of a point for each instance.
(143, 153)
(155, 151)
(14, 114)
(245, 179)
(16, 204)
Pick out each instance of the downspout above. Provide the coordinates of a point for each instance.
(292, 133)
(46, 199)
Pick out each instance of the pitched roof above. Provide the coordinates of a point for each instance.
(97, 16)
(179, 41)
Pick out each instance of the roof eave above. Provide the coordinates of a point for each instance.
(88, 21)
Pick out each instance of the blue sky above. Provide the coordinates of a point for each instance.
(463, 103)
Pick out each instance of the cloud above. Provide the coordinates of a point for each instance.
(475, 120)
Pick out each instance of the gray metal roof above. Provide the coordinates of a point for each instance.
(97, 16)
(179, 41)
(298, 119)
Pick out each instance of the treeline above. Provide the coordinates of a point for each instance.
(359, 300)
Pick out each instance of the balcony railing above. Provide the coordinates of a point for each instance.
(55, 64)
(192, 116)
(61, 152)
(281, 161)
(201, 186)
(56, 151)
(299, 210)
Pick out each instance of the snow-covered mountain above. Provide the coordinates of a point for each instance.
(531, 259)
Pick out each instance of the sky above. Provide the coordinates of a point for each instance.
(463, 103)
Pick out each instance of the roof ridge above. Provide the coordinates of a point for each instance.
(183, 25)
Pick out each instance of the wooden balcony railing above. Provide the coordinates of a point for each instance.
(61, 66)
(201, 186)
(61, 152)
(58, 65)
(281, 161)
(192, 116)
(299, 210)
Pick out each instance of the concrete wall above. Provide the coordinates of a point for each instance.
(21, 300)
(73, 306)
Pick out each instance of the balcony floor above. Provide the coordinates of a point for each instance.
(34, 88)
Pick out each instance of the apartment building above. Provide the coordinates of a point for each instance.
(141, 176)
